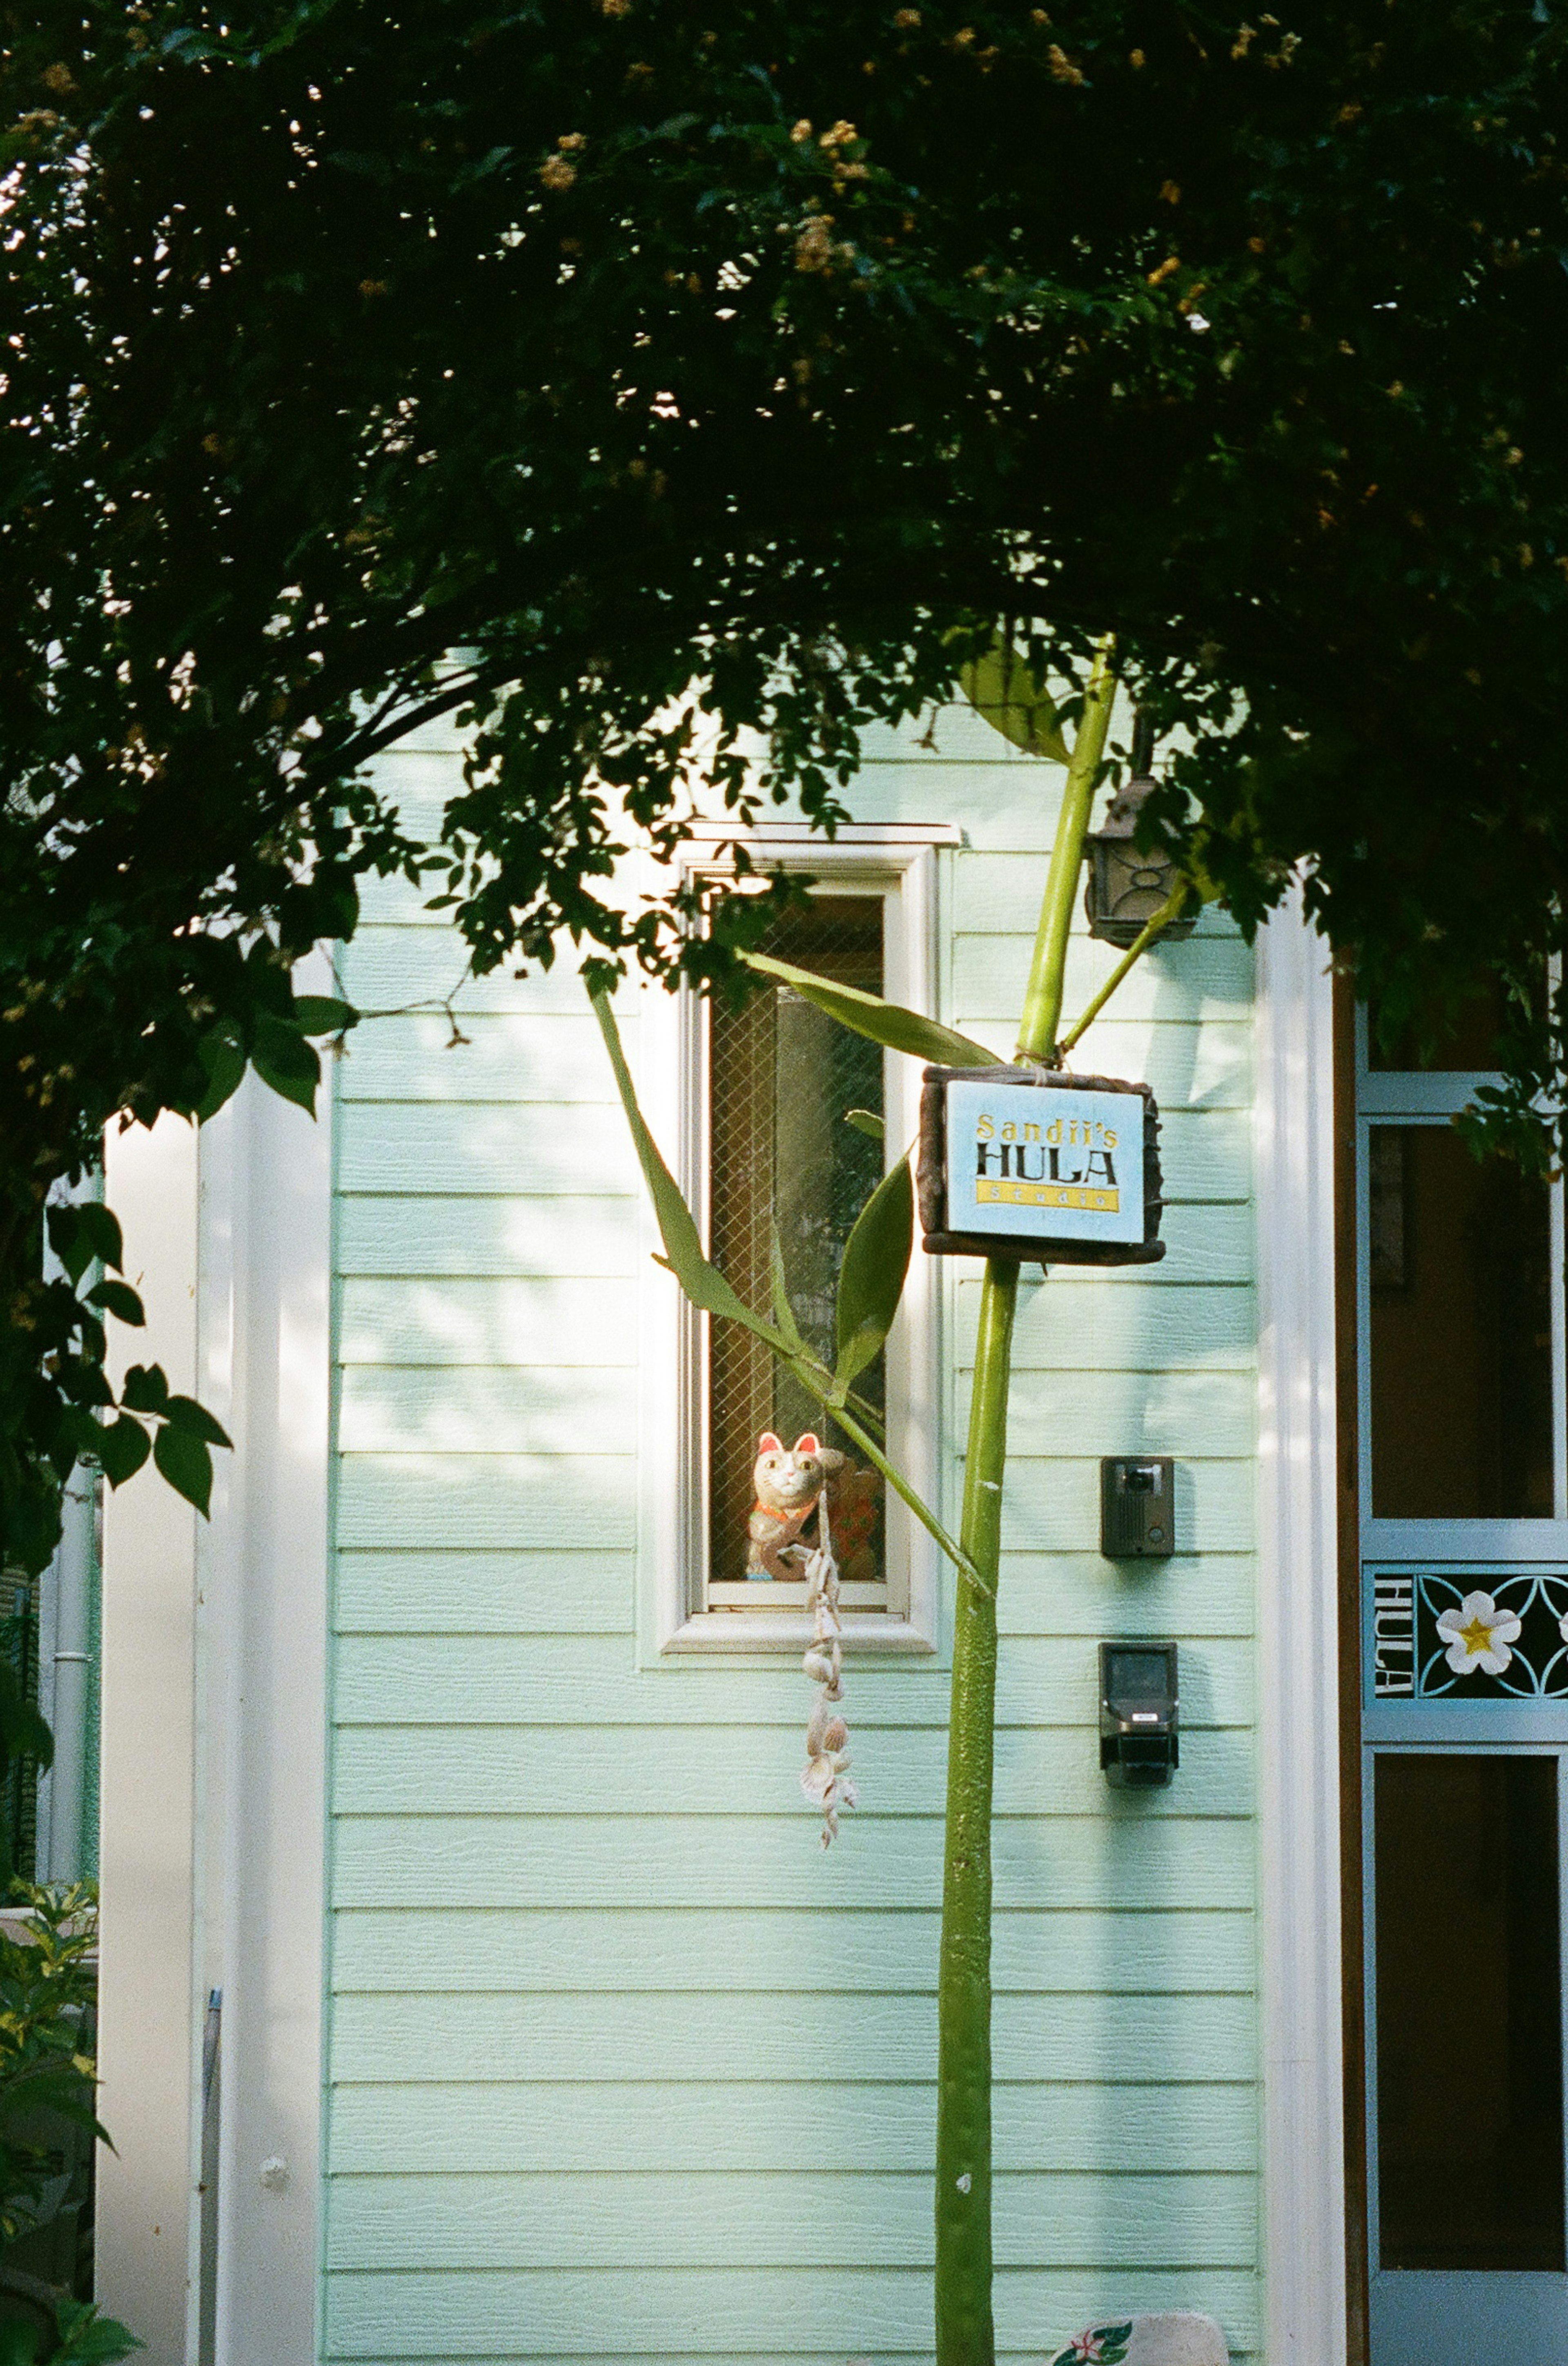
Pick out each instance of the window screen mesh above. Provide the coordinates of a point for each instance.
(782, 1078)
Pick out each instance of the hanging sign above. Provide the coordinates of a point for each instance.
(1033, 1163)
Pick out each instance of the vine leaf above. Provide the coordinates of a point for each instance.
(187, 1463)
(122, 1447)
(81, 1230)
(323, 1014)
(118, 1299)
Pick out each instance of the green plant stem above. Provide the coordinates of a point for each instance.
(965, 2334)
(965, 2329)
(818, 1383)
(1042, 1002)
(1140, 945)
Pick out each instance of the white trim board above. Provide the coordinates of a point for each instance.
(1298, 1713)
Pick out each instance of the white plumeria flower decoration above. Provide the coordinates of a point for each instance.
(1478, 1636)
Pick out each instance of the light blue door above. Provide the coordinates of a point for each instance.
(1464, 1558)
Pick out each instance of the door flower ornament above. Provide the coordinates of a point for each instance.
(1098, 2345)
(1479, 1636)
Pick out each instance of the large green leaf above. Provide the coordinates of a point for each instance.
(283, 1059)
(187, 1463)
(118, 1299)
(123, 1446)
(702, 1282)
(1000, 687)
(223, 1062)
(870, 1282)
(887, 1023)
(323, 1014)
(183, 1413)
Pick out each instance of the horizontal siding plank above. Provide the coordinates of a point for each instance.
(1120, 2038)
(533, 1409)
(1189, 1068)
(1207, 981)
(529, 1409)
(585, 1681)
(553, 1322)
(560, 1237)
(776, 2219)
(1111, 1325)
(693, 2312)
(515, 1148)
(752, 2356)
(508, 1500)
(551, 1056)
(1199, 1411)
(391, 963)
(745, 1771)
(434, 1147)
(1214, 1240)
(440, 1591)
(447, 1590)
(999, 895)
(506, 2126)
(501, 1949)
(1122, 1859)
(1191, 1595)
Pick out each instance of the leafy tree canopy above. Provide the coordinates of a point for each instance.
(752, 362)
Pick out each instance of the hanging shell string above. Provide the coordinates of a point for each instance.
(826, 1779)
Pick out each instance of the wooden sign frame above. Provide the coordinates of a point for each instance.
(1045, 1248)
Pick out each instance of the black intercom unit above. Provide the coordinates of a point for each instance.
(1140, 1744)
(1138, 1506)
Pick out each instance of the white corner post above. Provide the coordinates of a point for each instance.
(214, 1754)
(146, 2189)
(266, 1241)
(1301, 2025)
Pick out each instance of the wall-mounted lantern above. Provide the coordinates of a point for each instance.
(1127, 883)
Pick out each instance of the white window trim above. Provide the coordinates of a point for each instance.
(1301, 2032)
(673, 1621)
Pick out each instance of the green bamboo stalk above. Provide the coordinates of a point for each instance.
(965, 2329)
(1042, 1000)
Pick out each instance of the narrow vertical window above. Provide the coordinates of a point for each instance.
(789, 1167)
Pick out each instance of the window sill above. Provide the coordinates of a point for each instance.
(729, 1631)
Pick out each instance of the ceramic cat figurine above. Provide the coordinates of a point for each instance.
(789, 1481)
(784, 1526)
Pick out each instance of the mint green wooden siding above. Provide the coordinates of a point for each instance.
(621, 2066)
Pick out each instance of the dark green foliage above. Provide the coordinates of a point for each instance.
(48, 2123)
(753, 361)
(47, 1993)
